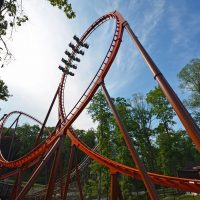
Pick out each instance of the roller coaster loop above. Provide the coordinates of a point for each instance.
(38, 157)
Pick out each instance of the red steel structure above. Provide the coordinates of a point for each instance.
(52, 146)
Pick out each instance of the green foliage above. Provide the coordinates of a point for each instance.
(101, 114)
(4, 93)
(149, 121)
(91, 189)
(189, 80)
(161, 108)
(172, 144)
(97, 185)
(26, 135)
(99, 109)
(19, 141)
(88, 137)
(197, 117)
(65, 6)
(141, 129)
(12, 16)
(182, 197)
(164, 113)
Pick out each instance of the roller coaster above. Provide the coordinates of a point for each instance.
(38, 157)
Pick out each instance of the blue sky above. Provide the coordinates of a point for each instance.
(169, 30)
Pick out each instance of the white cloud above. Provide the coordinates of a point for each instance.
(39, 45)
(128, 64)
(150, 19)
(183, 25)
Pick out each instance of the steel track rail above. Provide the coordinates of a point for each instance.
(67, 120)
(184, 184)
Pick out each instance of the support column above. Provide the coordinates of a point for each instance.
(54, 169)
(13, 135)
(78, 177)
(46, 118)
(17, 186)
(186, 119)
(147, 181)
(61, 178)
(69, 171)
(31, 181)
(115, 191)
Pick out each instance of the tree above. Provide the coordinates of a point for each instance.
(12, 16)
(101, 114)
(189, 78)
(161, 107)
(122, 153)
(88, 137)
(171, 143)
(142, 132)
(111, 144)
(26, 134)
(164, 132)
(4, 93)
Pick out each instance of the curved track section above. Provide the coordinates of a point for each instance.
(101, 73)
(5, 119)
(67, 120)
(84, 100)
(18, 113)
(169, 181)
(30, 157)
(2, 124)
(184, 184)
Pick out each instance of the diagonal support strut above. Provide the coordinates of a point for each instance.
(147, 181)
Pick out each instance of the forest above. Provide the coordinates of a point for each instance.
(161, 142)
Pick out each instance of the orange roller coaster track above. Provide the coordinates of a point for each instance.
(42, 151)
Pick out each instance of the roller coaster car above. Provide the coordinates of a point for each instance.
(72, 46)
(86, 45)
(81, 52)
(77, 59)
(65, 61)
(65, 70)
(68, 64)
(76, 39)
(74, 58)
(71, 57)
(73, 66)
(67, 53)
(70, 73)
